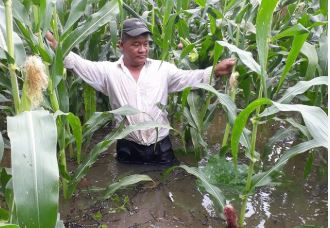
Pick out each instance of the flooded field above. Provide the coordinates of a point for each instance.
(177, 201)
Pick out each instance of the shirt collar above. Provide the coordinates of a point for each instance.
(120, 61)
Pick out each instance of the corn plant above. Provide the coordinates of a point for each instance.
(277, 44)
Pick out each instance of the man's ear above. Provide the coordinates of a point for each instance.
(120, 44)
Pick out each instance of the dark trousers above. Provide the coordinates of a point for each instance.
(133, 153)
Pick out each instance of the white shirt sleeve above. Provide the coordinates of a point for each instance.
(179, 79)
(93, 73)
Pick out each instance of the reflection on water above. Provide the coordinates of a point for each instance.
(177, 202)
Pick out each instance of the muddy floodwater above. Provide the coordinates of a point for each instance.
(177, 201)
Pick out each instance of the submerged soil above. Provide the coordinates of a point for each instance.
(177, 201)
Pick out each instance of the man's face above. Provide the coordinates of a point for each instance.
(135, 50)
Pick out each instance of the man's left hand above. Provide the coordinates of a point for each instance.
(225, 67)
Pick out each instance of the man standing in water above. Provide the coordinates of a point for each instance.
(142, 83)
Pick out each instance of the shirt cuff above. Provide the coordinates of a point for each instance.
(69, 60)
(207, 76)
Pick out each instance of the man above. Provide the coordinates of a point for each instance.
(142, 83)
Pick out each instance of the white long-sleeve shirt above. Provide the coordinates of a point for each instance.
(156, 80)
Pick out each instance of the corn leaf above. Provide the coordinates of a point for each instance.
(20, 53)
(124, 182)
(295, 90)
(310, 52)
(301, 87)
(263, 26)
(245, 56)
(167, 36)
(77, 9)
(92, 156)
(323, 54)
(89, 101)
(35, 172)
(194, 109)
(264, 178)
(9, 226)
(76, 128)
(2, 147)
(324, 7)
(295, 30)
(315, 118)
(46, 13)
(214, 191)
(20, 13)
(125, 111)
(97, 120)
(295, 48)
(230, 106)
(97, 20)
(167, 12)
(240, 123)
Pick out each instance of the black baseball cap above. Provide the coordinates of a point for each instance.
(135, 27)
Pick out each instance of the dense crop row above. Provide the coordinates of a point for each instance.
(281, 51)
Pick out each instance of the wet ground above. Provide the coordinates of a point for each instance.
(177, 202)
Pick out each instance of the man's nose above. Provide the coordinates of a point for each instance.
(142, 48)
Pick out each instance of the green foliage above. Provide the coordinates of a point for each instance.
(263, 26)
(2, 147)
(104, 15)
(240, 123)
(281, 53)
(213, 190)
(222, 173)
(34, 168)
(124, 182)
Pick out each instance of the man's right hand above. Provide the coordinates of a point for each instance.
(51, 40)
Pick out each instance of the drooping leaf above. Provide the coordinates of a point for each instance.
(301, 87)
(92, 156)
(97, 120)
(295, 90)
(262, 179)
(35, 172)
(314, 117)
(245, 56)
(225, 100)
(240, 123)
(97, 20)
(214, 191)
(124, 182)
(310, 52)
(125, 111)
